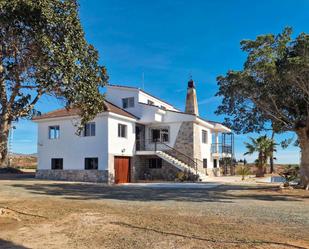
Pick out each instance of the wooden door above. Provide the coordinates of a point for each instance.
(122, 169)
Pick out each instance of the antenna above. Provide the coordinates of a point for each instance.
(143, 81)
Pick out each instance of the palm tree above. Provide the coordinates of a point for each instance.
(265, 147)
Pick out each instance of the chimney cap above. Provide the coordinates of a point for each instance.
(191, 84)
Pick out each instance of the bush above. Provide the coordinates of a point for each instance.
(290, 173)
(243, 171)
(186, 176)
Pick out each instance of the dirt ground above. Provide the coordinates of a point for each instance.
(49, 214)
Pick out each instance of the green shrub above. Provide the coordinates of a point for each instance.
(290, 174)
(184, 176)
(243, 171)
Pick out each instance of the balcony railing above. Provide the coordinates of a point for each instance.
(219, 148)
(158, 145)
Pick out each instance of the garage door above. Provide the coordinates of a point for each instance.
(122, 169)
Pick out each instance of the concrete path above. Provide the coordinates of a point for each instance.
(176, 185)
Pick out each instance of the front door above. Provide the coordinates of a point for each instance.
(122, 169)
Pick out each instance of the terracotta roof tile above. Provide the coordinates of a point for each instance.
(108, 107)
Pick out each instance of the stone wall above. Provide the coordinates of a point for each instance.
(73, 175)
(185, 139)
(191, 101)
(141, 170)
(188, 142)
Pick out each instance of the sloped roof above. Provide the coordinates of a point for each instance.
(108, 107)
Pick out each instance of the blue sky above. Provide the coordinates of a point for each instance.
(168, 40)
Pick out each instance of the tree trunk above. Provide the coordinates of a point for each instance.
(260, 166)
(271, 158)
(304, 165)
(303, 137)
(4, 136)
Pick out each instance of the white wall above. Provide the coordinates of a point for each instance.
(173, 131)
(115, 96)
(144, 97)
(72, 148)
(205, 147)
(119, 145)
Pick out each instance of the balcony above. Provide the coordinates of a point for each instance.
(221, 150)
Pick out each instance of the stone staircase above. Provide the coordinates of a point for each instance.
(179, 164)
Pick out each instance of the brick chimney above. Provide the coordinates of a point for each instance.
(191, 101)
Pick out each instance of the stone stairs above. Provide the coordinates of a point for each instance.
(179, 164)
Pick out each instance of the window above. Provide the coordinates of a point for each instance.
(205, 163)
(91, 163)
(155, 163)
(160, 134)
(149, 102)
(215, 163)
(89, 129)
(57, 163)
(54, 132)
(128, 102)
(122, 130)
(204, 137)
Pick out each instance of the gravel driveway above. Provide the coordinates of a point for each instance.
(50, 214)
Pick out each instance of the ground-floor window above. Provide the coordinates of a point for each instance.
(215, 163)
(57, 163)
(91, 163)
(155, 163)
(205, 163)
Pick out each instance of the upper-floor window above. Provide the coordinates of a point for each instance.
(204, 137)
(122, 130)
(91, 163)
(54, 132)
(159, 134)
(89, 129)
(57, 163)
(149, 102)
(127, 102)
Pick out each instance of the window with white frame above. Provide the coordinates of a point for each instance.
(89, 129)
(127, 102)
(54, 132)
(204, 136)
(122, 130)
(159, 134)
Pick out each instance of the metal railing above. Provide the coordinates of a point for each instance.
(158, 145)
(221, 148)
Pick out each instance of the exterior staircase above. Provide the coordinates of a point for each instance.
(180, 165)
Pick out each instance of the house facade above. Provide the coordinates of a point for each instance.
(136, 137)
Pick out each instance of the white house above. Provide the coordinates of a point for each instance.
(137, 137)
